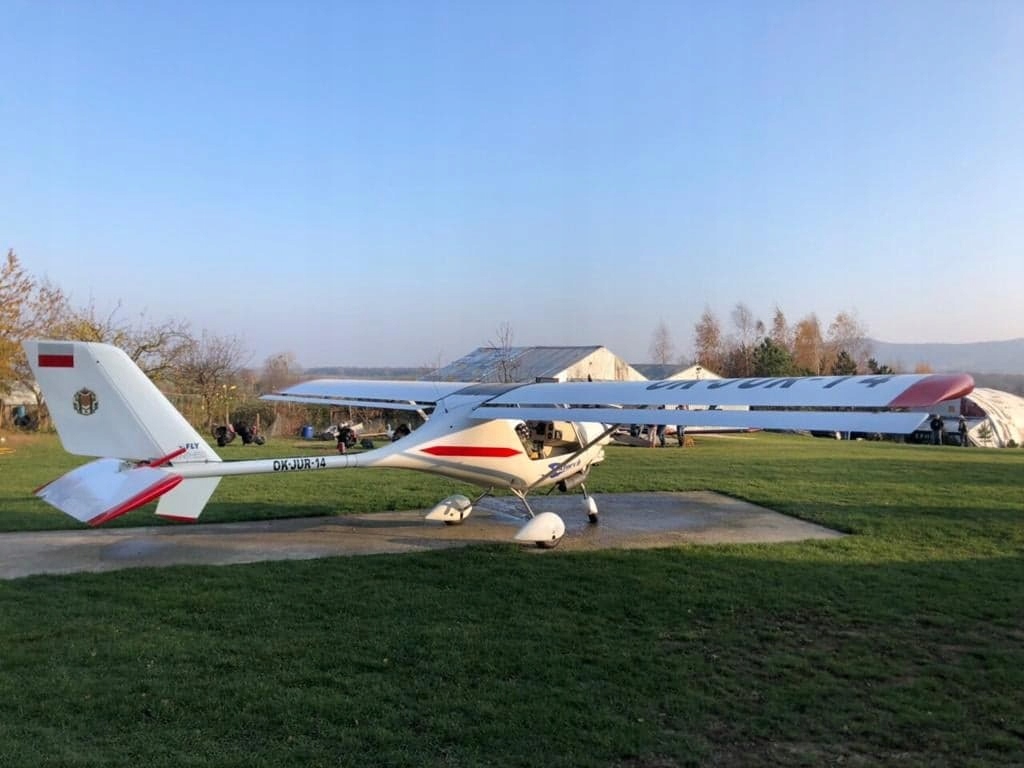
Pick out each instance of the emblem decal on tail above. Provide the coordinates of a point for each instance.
(85, 402)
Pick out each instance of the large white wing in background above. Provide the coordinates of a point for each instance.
(887, 391)
(888, 403)
(894, 403)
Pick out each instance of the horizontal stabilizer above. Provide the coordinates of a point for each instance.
(102, 490)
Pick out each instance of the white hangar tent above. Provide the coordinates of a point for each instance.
(518, 364)
(659, 372)
(996, 418)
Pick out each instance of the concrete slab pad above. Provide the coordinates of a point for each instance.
(628, 520)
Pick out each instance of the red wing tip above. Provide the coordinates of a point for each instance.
(933, 389)
(178, 518)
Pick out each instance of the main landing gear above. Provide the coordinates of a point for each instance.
(544, 530)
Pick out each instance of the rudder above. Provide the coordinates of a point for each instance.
(102, 404)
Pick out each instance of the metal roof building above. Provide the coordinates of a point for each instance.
(516, 364)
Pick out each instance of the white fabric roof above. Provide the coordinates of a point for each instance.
(1004, 425)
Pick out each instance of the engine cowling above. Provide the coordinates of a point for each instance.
(572, 481)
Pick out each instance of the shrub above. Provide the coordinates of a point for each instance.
(247, 411)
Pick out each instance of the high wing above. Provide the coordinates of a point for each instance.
(397, 395)
(878, 403)
(886, 403)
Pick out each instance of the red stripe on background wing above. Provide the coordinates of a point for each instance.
(934, 389)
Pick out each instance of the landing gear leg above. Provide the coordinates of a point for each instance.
(522, 498)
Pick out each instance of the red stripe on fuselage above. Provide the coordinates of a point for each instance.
(478, 451)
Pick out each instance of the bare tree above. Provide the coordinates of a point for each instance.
(16, 287)
(707, 342)
(39, 308)
(157, 348)
(210, 368)
(431, 371)
(279, 371)
(508, 366)
(28, 308)
(748, 330)
(662, 350)
(847, 334)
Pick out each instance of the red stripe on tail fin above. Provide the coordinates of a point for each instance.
(56, 361)
(55, 355)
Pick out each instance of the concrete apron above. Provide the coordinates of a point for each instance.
(628, 521)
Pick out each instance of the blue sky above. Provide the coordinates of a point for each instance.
(390, 182)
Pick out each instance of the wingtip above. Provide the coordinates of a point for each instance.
(934, 388)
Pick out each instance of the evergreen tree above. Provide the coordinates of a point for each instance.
(844, 365)
(771, 359)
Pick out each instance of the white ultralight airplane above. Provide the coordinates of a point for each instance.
(519, 437)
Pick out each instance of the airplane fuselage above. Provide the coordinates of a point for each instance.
(490, 453)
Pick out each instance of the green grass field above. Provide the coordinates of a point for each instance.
(902, 644)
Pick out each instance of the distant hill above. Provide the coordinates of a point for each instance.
(1005, 382)
(365, 372)
(997, 357)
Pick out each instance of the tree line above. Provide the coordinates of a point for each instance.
(204, 374)
(752, 348)
(207, 378)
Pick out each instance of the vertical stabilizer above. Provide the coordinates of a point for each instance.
(103, 405)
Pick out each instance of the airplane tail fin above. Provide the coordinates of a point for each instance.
(103, 405)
